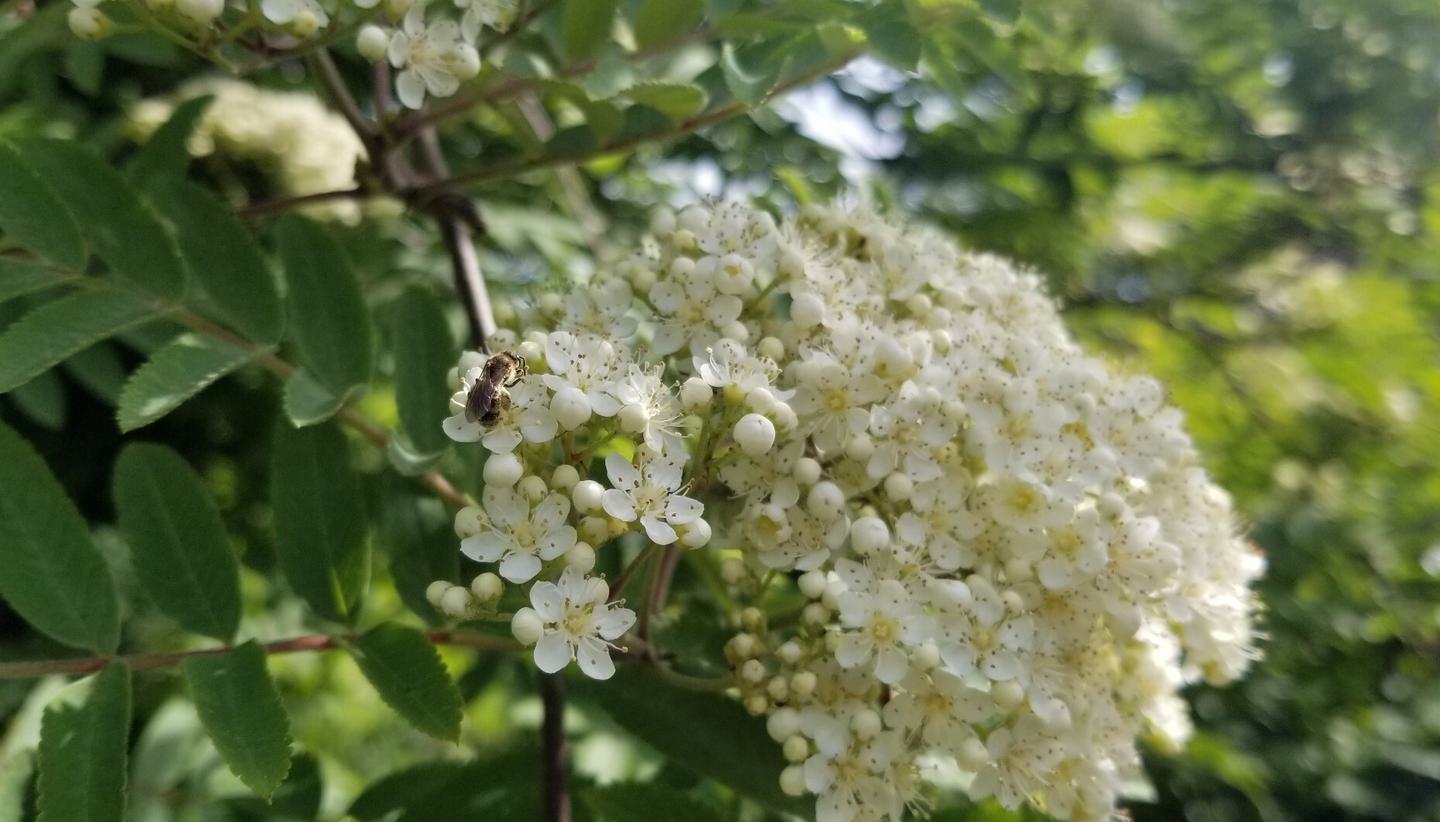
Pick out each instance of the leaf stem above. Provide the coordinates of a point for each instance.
(619, 584)
(554, 759)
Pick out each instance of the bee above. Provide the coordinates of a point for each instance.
(488, 398)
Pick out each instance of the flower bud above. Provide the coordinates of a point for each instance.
(755, 435)
(304, 24)
(736, 331)
(807, 471)
(586, 496)
(757, 705)
(695, 394)
(594, 530)
(927, 656)
(732, 570)
(869, 534)
(487, 587)
(455, 601)
(803, 684)
(866, 724)
(797, 749)
(564, 477)
(435, 590)
(571, 407)
(752, 619)
(372, 42)
(783, 724)
(778, 689)
(89, 23)
(533, 489)
(752, 671)
(815, 614)
(527, 626)
(633, 419)
(790, 652)
(770, 347)
(581, 556)
(812, 584)
(503, 469)
(469, 521)
(899, 487)
(860, 447)
(1008, 694)
(695, 535)
(972, 755)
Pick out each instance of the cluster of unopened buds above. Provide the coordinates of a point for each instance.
(432, 45)
(1001, 552)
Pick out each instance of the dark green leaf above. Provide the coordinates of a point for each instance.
(736, 751)
(307, 402)
(319, 518)
(891, 34)
(118, 224)
(424, 353)
(42, 399)
(166, 153)
(224, 259)
(65, 327)
(174, 374)
(328, 320)
(177, 541)
(398, 791)
(99, 370)
(34, 216)
(83, 746)
(405, 668)
(420, 543)
(660, 22)
(585, 27)
(626, 802)
(85, 66)
(675, 100)
(241, 710)
(18, 278)
(52, 574)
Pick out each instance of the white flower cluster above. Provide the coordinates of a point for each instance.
(1003, 553)
(434, 53)
(292, 135)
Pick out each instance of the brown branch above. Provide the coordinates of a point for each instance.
(169, 659)
(554, 758)
(457, 218)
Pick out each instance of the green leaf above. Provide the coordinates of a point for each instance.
(241, 710)
(224, 259)
(177, 541)
(891, 34)
(64, 327)
(99, 370)
(405, 668)
(167, 153)
(675, 100)
(118, 224)
(18, 278)
(328, 320)
(626, 802)
(52, 574)
(83, 746)
(752, 71)
(307, 402)
(398, 791)
(736, 751)
(181, 369)
(585, 27)
(421, 545)
(319, 518)
(42, 399)
(660, 22)
(424, 354)
(34, 216)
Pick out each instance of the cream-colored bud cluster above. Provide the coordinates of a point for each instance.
(291, 135)
(1010, 555)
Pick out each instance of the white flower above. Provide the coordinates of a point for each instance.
(577, 623)
(833, 401)
(649, 408)
(496, 14)
(727, 365)
(885, 619)
(527, 419)
(692, 312)
(907, 433)
(587, 363)
(651, 495)
(995, 641)
(518, 537)
(433, 57)
(939, 708)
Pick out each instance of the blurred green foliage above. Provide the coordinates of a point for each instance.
(1239, 197)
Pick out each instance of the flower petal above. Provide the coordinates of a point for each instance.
(520, 567)
(460, 429)
(486, 547)
(614, 623)
(595, 658)
(682, 510)
(548, 601)
(557, 542)
(658, 530)
(622, 474)
(552, 652)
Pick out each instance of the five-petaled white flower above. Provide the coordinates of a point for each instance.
(527, 418)
(651, 495)
(578, 623)
(432, 58)
(519, 537)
